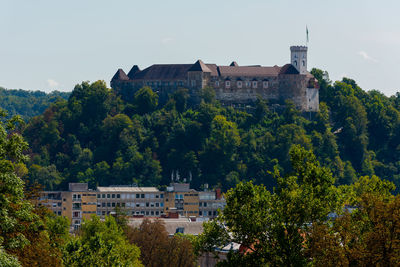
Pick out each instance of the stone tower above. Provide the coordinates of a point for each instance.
(298, 58)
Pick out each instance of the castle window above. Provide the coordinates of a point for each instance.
(265, 84)
(239, 84)
(217, 83)
(304, 63)
(254, 84)
(295, 63)
(227, 84)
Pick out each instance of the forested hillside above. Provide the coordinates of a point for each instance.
(28, 104)
(95, 137)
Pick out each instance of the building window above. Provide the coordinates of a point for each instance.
(98, 196)
(137, 195)
(239, 84)
(217, 83)
(113, 196)
(265, 84)
(304, 63)
(103, 204)
(247, 84)
(295, 63)
(108, 195)
(113, 204)
(227, 84)
(254, 84)
(193, 82)
(108, 204)
(142, 196)
(118, 196)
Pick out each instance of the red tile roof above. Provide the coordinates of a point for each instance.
(248, 71)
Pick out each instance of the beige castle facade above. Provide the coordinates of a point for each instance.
(233, 84)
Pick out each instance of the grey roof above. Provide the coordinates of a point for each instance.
(164, 72)
(168, 72)
(126, 189)
(135, 69)
(194, 228)
(248, 71)
(120, 75)
(288, 69)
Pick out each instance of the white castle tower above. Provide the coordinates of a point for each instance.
(298, 58)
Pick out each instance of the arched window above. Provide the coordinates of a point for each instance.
(227, 84)
(265, 84)
(304, 63)
(254, 84)
(295, 63)
(239, 84)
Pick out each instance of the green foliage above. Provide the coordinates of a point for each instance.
(146, 100)
(271, 227)
(96, 137)
(101, 244)
(7, 260)
(28, 104)
(15, 212)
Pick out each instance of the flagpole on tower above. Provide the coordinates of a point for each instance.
(306, 36)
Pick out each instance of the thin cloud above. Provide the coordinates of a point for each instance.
(365, 56)
(52, 83)
(167, 40)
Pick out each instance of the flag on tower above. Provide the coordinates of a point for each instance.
(307, 33)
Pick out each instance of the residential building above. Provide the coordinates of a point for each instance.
(76, 204)
(181, 199)
(79, 202)
(132, 200)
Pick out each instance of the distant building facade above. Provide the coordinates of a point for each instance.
(233, 84)
(79, 202)
(133, 201)
(76, 204)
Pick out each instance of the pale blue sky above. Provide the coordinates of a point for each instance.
(50, 44)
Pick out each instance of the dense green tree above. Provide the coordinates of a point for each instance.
(28, 104)
(272, 227)
(354, 133)
(145, 100)
(15, 212)
(8, 260)
(101, 244)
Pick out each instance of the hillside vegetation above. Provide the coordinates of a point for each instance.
(28, 104)
(96, 137)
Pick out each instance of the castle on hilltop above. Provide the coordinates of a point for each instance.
(233, 84)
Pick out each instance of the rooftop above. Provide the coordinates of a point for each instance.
(126, 189)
